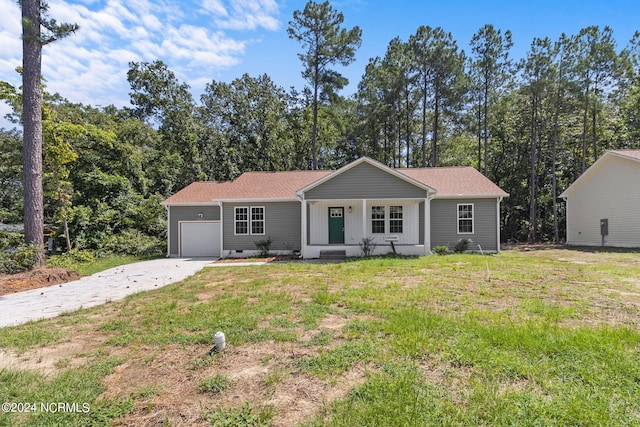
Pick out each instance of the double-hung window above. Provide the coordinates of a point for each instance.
(257, 220)
(241, 220)
(377, 219)
(465, 218)
(380, 222)
(395, 219)
(249, 220)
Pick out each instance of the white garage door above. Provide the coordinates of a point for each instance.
(201, 238)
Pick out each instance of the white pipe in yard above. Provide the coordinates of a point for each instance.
(219, 340)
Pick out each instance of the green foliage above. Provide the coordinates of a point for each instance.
(241, 417)
(134, 242)
(461, 246)
(214, 385)
(263, 246)
(18, 259)
(71, 259)
(441, 250)
(10, 239)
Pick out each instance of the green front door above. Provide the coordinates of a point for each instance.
(336, 225)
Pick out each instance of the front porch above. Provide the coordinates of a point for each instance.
(342, 224)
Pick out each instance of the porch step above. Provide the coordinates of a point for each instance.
(333, 254)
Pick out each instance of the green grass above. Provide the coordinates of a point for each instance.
(535, 338)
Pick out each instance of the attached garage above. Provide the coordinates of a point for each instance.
(199, 238)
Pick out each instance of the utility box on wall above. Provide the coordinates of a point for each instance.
(604, 226)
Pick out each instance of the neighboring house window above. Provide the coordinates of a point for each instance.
(242, 220)
(257, 220)
(395, 219)
(377, 219)
(465, 218)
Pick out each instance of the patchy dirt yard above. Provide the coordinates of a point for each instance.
(164, 379)
(34, 279)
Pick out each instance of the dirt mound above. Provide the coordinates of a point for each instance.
(35, 279)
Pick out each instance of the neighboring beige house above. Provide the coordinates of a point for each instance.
(603, 204)
(330, 212)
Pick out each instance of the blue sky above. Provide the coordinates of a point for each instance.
(204, 40)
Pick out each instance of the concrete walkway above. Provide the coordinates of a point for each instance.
(108, 285)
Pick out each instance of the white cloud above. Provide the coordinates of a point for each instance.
(214, 7)
(91, 66)
(244, 14)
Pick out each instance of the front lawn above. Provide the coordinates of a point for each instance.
(544, 337)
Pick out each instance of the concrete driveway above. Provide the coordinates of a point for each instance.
(108, 285)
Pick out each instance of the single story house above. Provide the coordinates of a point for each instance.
(322, 212)
(603, 203)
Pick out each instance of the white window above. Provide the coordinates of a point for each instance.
(465, 218)
(395, 219)
(241, 220)
(257, 220)
(377, 219)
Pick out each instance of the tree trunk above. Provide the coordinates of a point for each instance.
(434, 140)
(424, 124)
(314, 131)
(32, 123)
(486, 125)
(584, 129)
(532, 237)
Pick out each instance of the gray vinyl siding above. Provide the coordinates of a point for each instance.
(365, 181)
(444, 224)
(188, 213)
(282, 226)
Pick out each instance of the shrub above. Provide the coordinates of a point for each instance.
(10, 239)
(367, 246)
(264, 246)
(134, 242)
(71, 258)
(441, 250)
(18, 259)
(462, 245)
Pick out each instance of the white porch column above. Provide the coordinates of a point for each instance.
(221, 229)
(427, 225)
(303, 222)
(364, 219)
(168, 209)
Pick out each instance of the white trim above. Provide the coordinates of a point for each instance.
(261, 200)
(168, 209)
(250, 221)
(235, 221)
(498, 224)
(303, 228)
(473, 218)
(221, 208)
(211, 203)
(427, 225)
(469, 196)
(263, 220)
